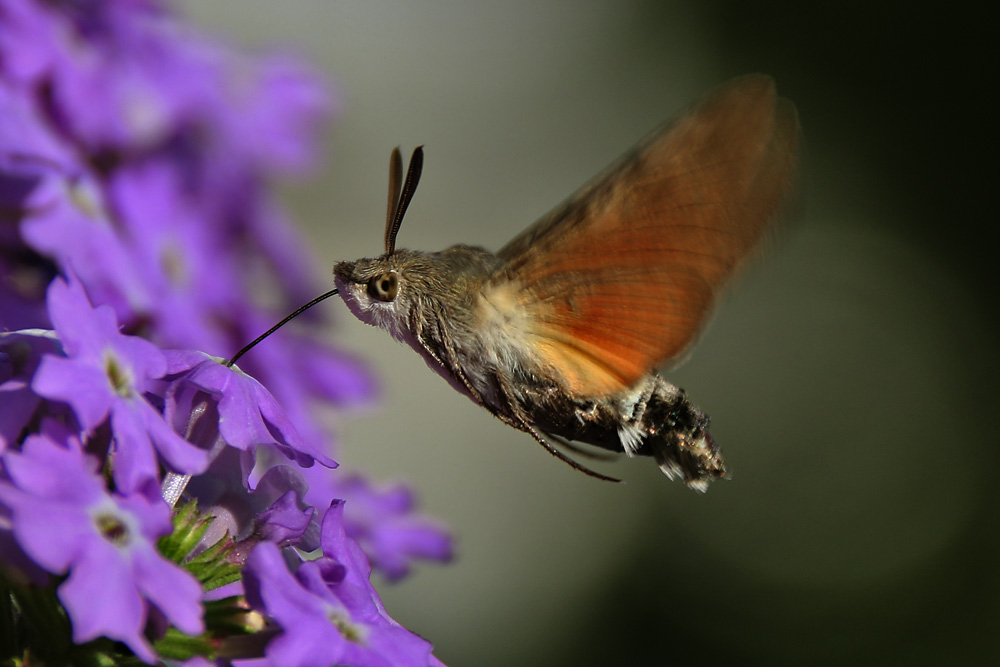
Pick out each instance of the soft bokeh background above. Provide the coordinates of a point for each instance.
(850, 377)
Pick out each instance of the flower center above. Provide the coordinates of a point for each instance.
(112, 529)
(85, 198)
(144, 115)
(349, 631)
(119, 375)
(173, 265)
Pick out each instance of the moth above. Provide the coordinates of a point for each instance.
(559, 333)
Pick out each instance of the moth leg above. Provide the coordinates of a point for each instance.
(525, 425)
(451, 363)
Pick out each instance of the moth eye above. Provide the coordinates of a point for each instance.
(383, 287)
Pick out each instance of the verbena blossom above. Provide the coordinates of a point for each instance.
(249, 415)
(104, 375)
(137, 226)
(66, 521)
(328, 610)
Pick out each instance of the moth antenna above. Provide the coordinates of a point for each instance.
(395, 183)
(301, 309)
(409, 187)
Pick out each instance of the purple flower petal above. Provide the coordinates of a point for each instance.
(131, 81)
(171, 590)
(18, 567)
(83, 330)
(284, 523)
(43, 466)
(99, 574)
(175, 450)
(278, 481)
(84, 387)
(275, 111)
(134, 458)
(59, 519)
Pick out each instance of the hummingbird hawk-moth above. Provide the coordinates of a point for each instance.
(559, 333)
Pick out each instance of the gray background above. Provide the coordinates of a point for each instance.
(849, 376)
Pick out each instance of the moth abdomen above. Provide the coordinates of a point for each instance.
(655, 419)
(678, 438)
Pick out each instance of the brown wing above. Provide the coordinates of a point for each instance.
(621, 277)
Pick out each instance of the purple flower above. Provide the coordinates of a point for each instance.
(249, 416)
(328, 611)
(384, 522)
(65, 218)
(68, 223)
(34, 165)
(190, 278)
(272, 109)
(272, 511)
(64, 519)
(105, 373)
(118, 73)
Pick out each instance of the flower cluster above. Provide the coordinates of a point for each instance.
(138, 245)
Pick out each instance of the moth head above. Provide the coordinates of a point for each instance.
(378, 291)
(374, 289)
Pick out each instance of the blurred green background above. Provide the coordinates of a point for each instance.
(850, 376)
